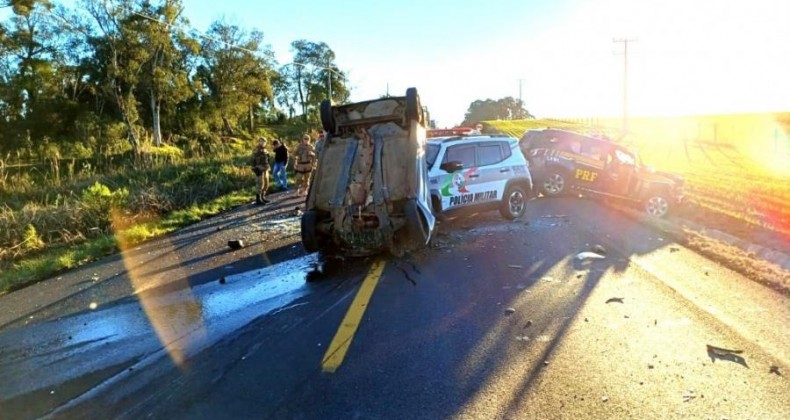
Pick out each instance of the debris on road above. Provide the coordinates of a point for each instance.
(510, 311)
(528, 324)
(515, 266)
(222, 280)
(547, 279)
(93, 305)
(615, 300)
(522, 338)
(775, 370)
(726, 354)
(587, 255)
(236, 244)
(604, 398)
(673, 249)
(650, 366)
(599, 249)
(688, 396)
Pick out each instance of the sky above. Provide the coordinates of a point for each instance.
(685, 57)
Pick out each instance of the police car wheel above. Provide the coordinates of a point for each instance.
(554, 184)
(657, 206)
(514, 203)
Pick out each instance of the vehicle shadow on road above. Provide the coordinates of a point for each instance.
(492, 304)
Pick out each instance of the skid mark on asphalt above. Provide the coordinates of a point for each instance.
(340, 344)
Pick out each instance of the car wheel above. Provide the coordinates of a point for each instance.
(415, 226)
(327, 118)
(657, 206)
(413, 108)
(310, 239)
(514, 203)
(554, 184)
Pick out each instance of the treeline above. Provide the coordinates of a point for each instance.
(115, 76)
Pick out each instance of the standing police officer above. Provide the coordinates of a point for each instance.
(305, 160)
(260, 166)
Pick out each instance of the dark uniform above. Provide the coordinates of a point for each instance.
(260, 165)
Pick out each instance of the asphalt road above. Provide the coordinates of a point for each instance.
(497, 320)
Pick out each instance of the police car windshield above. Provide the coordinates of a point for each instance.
(431, 151)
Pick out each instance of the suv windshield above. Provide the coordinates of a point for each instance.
(431, 150)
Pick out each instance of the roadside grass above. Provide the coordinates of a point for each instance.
(61, 258)
(740, 261)
(732, 257)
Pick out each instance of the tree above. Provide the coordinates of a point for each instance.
(119, 56)
(314, 67)
(502, 109)
(29, 72)
(236, 74)
(164, 78)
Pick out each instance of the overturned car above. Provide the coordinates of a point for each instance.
(370, 190)
(562, 161)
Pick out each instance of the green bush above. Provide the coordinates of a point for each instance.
(31, 239)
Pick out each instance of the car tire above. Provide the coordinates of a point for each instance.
(327, 118)
(657, 205)
(415, 225)
(514, 203)
(413, 107)
(554, 183)
(310, 236)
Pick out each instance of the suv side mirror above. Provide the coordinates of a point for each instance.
(451, 166)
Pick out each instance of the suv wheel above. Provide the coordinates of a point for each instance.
(554, 183)
(657, 205)
(310, 236)
(415, 225)
(327, 118)
(413, 107)
(514, 203)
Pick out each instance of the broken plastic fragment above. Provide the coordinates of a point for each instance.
(587, 255)
(236, 244)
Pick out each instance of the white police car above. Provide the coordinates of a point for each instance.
(480, 172)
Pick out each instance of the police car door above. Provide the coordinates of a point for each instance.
(457, 187)
(493, 173)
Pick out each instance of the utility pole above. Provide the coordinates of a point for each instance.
(625, 42)
(520, 103)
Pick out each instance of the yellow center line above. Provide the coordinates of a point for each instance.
(342, 341)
